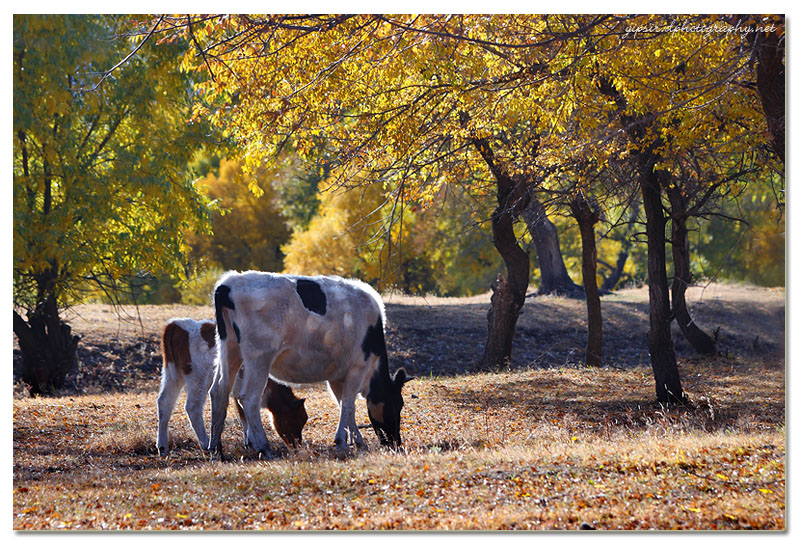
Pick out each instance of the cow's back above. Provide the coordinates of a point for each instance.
(315, 325)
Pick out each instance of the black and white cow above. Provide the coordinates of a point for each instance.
(301, 329)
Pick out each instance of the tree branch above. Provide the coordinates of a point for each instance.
(131, 54)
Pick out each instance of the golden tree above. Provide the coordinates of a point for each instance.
(504, 104)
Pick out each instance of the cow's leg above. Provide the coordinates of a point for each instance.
(196, 392)
(356, 379)
(243, 421)
(237, 384)
(335, 389)
(171, 386)
(220, 393)
(255, 381)
(347, 417)
(229, 360)
(219, 409)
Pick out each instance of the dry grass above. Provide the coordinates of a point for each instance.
(528, 448)
(525, 450)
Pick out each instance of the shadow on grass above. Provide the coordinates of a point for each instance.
(593, 407)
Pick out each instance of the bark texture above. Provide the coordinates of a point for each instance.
(659, 338)
(509, 291)
(771, 85)
(554, 277)
(587, 214)
(48, 348)
(699, 340)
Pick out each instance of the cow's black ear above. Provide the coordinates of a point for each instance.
(400, 377)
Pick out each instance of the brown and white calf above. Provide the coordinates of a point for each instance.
(300, 329)
(189, 352)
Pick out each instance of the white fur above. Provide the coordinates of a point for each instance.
(197, 384)
(281, 338)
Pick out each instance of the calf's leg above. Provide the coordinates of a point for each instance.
(167, 396)
(195, 402)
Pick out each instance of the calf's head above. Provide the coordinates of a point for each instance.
(289, 422)
(288, 413)
(384, 403)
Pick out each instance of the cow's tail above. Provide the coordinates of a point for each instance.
(220, 389)
(166, 344)
(222, 300)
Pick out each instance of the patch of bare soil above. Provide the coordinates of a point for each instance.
(431, 336)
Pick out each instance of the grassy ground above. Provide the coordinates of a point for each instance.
(542, 447)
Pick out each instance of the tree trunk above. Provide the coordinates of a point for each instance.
(659, 338)
(587, 215)
(554, 277)
(48, 348)
(502, 318)
(509, 291)
(700, 341)
(771, 85)
(509, 294)
(611, 281)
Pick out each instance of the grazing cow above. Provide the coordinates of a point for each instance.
(300, 329)
(189, 352)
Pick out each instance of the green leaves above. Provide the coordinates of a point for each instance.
(100, 187)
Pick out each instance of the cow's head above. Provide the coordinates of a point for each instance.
(384, 404)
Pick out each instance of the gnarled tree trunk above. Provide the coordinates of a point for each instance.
(700, 341)
(554, 276)
(48, 348)
(509, 292)
(587, 214)
(659, 338)
(771, 85)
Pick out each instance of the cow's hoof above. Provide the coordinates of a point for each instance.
(163, 452)
(215, 453)
(342, 452)
(266, 453)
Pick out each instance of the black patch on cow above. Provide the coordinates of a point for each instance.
(222, 299)
(312, 296)
(383, 388)
(374, 342)
(238, 334)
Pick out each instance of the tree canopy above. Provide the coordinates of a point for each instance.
(358, 130)
(510, 107)
(101, 192)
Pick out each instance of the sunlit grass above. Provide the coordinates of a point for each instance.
(527, 449)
